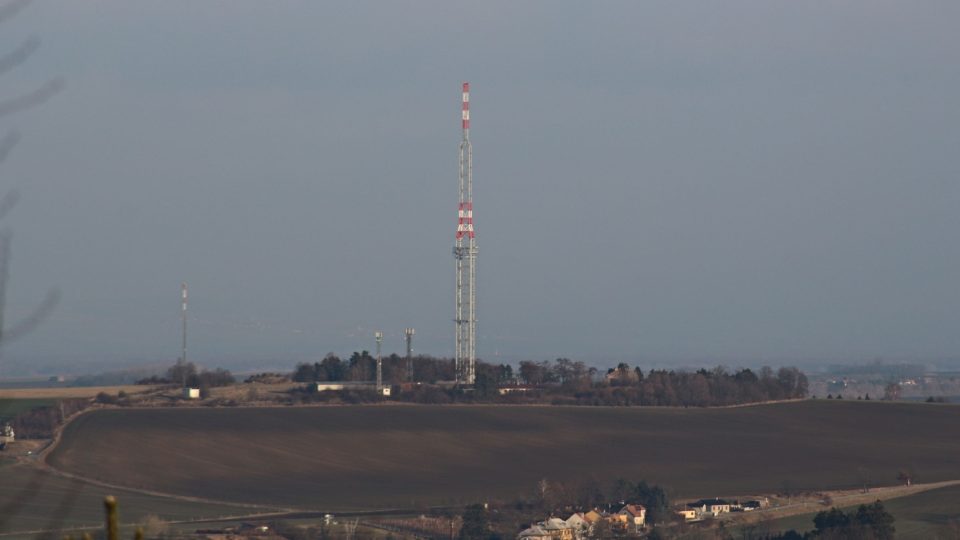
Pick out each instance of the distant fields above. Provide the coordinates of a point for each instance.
(67, 392)
(14, 401)
(367, 457)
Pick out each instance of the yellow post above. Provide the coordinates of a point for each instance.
(110, 504)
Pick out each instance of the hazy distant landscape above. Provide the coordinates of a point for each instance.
(491, 270)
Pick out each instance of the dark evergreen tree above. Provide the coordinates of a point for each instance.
(655, 500)
(476, 523)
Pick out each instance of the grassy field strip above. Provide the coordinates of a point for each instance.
(69, 392)
(840, 499)
(925, 515)
(133, 525)
(299, 515)
(32, 498)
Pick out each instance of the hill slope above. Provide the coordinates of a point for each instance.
(403, 456)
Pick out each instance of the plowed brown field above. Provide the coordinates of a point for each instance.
(368, 457)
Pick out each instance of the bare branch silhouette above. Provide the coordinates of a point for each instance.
(10, 9)
(19, 55)
(8, 201)
(7, 143)
(5, 237)
(31, 99)
(21, 497)
(39, 314)
(30, 323)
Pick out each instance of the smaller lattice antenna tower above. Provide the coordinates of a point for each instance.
(183, 320)
(379, 337)
(408, 332)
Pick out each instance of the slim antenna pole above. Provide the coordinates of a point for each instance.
(409, 333)
(183, 318)
(379, 338)
(465, 253)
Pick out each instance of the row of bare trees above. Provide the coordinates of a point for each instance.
(361, 366)
(701, 388)
(566, 381)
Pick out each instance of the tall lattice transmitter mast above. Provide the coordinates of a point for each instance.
(465, 253)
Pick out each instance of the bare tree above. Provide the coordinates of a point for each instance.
(350, 528)
(905, 478)
(8, 199)
(10, 105)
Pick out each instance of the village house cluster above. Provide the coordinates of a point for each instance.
(711, 508)
(630, 519)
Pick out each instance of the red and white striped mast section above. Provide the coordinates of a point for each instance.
(465, 253)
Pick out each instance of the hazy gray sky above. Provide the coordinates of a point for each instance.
(657, 181)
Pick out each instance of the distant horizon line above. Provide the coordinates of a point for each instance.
(57, 365)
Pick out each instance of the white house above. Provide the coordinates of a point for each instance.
(7, 436)
(635, 514)
(714, 506)
(581, 527)
(557, 528)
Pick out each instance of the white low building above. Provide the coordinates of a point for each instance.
(7, 435)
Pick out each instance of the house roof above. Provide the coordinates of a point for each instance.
(635, 510)
(711, 502)
(554, 524)
(593, 516)
(535, 530)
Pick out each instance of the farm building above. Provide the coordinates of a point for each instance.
(348, 385)
(713, 507)
(749, 506)
(516, 389)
